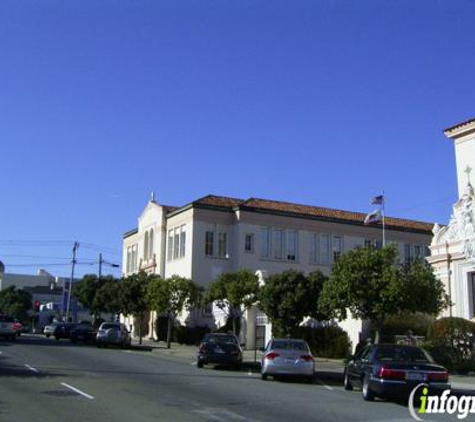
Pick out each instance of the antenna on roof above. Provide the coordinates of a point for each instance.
(152, 196)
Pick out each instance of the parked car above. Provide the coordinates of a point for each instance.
(287, 357)
(113, 333)
(392, 371)
(7, 329)
(18, 327)
(219, 348)
(63, 330)
(48, 331)
(83, 332)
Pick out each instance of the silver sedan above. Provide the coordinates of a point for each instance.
(287, 357)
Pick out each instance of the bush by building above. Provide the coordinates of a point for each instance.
(326, 342)
(451, 342)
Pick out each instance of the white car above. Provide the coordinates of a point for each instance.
(287, 357)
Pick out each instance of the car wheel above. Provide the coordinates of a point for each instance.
(264, 377)
(98, 345)
(199, 364)
(346, 383)
(310, 379)
(368, 394)
(56, 337)
(48, 335)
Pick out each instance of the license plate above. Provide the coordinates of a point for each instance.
(415, 376)
(289, 360)
(218, 350)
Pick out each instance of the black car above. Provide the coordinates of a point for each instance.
(220, 348)
(63, 330)
(392, 371)
(83, 332)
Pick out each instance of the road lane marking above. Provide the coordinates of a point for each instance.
(77, 391)
(326, 386)
(32, 369)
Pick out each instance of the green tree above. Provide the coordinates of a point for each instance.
(132, 296)
(86, 290)
(107, 298)
(233, 293)
(172, 296)
(15, 303)
(371, 285)
(287, 298)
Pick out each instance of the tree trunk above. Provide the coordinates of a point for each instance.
(169, 331)
(140, 329)
(234, 324)
(379, 331)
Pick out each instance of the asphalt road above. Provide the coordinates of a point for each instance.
(46, 380)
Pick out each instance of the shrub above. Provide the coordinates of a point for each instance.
(451, 343)
(326, 342)
(418, 323)
(189, 335)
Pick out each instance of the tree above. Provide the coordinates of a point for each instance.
(107, 298)
(233, 293)
(287, 298)
(132, 296)
(15, 302)
(370, 284)
(172, 296)
(86, 290)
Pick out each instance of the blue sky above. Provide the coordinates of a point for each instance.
(317, 102)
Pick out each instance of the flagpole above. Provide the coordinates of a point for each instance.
(384, 225)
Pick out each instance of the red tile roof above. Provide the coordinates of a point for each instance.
(300, 210)
(218, 201)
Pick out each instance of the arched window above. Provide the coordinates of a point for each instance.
(145, 246)
(150, 245)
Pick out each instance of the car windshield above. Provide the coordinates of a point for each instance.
(289, 345)
(108, 326)
(402, 354)
(4, 318)
(221, 339)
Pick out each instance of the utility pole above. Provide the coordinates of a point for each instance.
(70, 288)
(100, 266)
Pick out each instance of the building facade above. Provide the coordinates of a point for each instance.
(453, 246)
(217, 234)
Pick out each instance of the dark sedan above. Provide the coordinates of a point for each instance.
(83, 332)
(63, 330)
(392, 371)
(220, 348)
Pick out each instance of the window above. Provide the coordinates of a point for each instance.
(379, 244)
(150, 245)
(249, 243)
(133, 258)
(170, 245)
(129, 260)
(145, 246)
(337, 248)
(277, 243)
(291, 245)
(417, 252)
(407, 254)
(265, 243)
(314, 248)
(222, 245)
(182, 241)
(324, 249)
(209, 243)
(176, 243)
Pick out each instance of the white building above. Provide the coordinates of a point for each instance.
(453, 246)
(216, 234)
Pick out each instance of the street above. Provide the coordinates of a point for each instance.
(48, 380)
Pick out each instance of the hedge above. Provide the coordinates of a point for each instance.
(326, 342)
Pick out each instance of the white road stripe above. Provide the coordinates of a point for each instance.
(326, 386)
(32, 369)
(77, 391)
